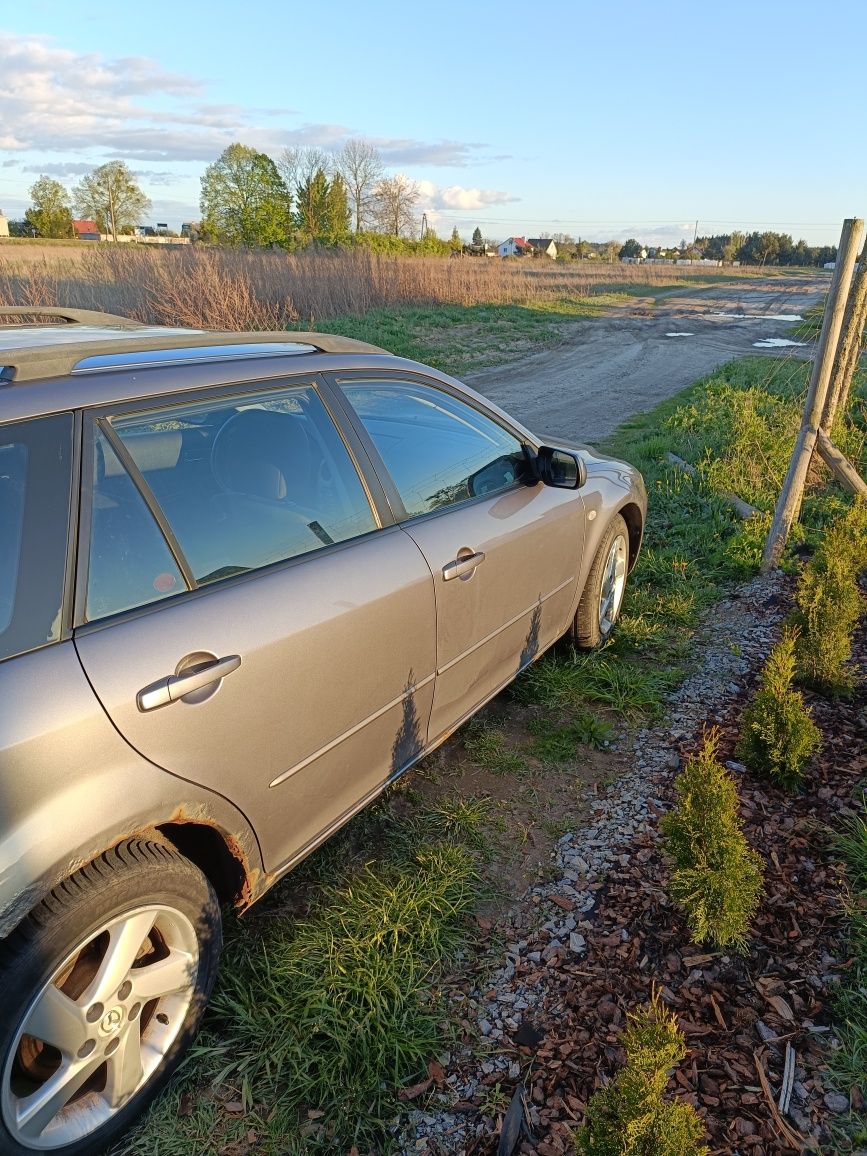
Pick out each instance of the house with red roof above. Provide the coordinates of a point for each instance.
(515, 247)
(86, 230)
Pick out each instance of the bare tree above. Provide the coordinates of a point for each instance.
(394, 201)
(298, 166)
(360, 165)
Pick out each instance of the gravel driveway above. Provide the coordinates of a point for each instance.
(628, 361)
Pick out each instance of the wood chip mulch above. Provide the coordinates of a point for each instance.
(740, 1014)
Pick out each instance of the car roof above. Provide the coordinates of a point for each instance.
(86, 359)
(77, 340)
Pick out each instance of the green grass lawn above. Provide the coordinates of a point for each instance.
(330, 995)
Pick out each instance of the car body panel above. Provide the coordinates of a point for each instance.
(495, 620)
(320, 710)
(71, 788)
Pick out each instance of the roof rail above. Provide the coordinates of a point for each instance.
(78, 316)
(30, 363)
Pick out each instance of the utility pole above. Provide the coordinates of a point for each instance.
(695, 234)
(423, 225)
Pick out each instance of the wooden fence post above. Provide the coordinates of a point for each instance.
(849, 351)
(789, 501)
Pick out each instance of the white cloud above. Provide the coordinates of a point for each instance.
(433, 197)
(60, 101)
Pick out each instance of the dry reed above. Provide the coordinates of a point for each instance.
(237, 290)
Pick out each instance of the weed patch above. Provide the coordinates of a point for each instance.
(489, 747)
(557, 742)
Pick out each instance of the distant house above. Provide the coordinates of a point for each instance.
(544, 245)
(515, 247)
(86, 230)
(4, 226)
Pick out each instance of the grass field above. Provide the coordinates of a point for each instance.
(335, 992)
(229, 289)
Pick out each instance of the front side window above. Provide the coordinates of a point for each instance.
(438, 450)
(242, 481)
(35, 479)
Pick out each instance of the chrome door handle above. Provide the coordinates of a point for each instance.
(173, 688)
(462, 565)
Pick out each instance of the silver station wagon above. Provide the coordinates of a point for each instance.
(246, 581)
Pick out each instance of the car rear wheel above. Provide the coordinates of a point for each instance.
(105, 983)
(602, 599)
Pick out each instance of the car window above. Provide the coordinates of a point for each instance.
(130, 563)
(35, 479)
(248, 480)
(437, 449)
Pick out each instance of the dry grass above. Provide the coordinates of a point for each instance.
(237, 290)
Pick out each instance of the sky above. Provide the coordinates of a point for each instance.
(601, 120)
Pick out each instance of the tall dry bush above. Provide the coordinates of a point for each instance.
(237, 290)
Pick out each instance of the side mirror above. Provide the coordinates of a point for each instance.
(560, 469)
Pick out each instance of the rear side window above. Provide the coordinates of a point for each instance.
(35, 479)
(438, 450)
(130, 562)
(241, 482)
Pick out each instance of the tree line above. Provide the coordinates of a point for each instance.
(247, 198)
(308, 196)
(756, 248)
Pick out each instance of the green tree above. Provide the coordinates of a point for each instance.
(111, 196)
(455, 243)
(311, 200)
(477, 236)
(630, 248)
(50, 214)
(244, 200)
(337, 211)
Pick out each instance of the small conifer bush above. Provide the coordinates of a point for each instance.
(829, 604)
(778, 735)
(715, 877)
(630, 1117)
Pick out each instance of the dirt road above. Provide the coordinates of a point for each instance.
(639, 354)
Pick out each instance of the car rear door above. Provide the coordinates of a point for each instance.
(504, 555)
(247, 615)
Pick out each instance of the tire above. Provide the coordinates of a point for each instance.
(116, 965)
(602, 599)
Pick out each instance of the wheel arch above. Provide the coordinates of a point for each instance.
(219, 857)
(634, 519)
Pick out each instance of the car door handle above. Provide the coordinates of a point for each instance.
(173, 688)
(462, 565)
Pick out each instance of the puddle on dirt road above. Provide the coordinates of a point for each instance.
(775, 343)
(758, 316)
(680, 335)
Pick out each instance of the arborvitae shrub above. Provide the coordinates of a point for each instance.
(829, 605)
(778, 735)
(629, 1117)
(715, 877)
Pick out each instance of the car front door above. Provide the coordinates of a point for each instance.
(245, 617)
(504, 555)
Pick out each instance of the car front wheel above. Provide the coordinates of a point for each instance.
(602, 599)
(104, 983)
